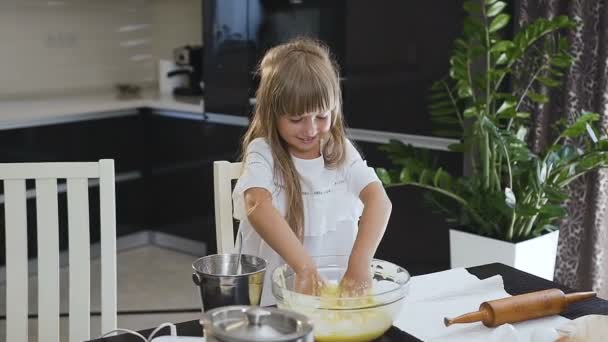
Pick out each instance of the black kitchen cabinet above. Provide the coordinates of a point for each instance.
(178, 173)
(118, 138)
(163, 168)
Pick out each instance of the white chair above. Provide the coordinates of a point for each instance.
(15, 195)
(223, 174)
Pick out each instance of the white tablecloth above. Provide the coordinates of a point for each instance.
(454, 292)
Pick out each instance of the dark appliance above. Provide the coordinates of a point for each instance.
(190, 60)
(237, 33)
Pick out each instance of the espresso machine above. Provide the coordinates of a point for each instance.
(189, 59)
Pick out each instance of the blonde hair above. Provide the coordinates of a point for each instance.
(296, 78)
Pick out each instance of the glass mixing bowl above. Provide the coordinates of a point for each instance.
(345, 319)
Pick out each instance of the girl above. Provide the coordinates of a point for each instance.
(305, 190)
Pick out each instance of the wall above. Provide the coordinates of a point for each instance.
(51, 47)
(176, 23)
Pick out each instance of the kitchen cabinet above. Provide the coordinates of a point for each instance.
(163, 166)
(116, 138)
(178, 173)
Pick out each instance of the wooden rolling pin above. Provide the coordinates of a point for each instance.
(521, 307)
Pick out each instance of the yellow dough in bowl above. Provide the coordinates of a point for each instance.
(346, 325)
(339, 317)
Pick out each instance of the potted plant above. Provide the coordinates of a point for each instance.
(506, 208)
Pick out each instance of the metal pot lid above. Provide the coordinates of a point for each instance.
(252, 323)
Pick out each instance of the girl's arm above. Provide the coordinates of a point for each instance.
(376, 212)
(277, 233)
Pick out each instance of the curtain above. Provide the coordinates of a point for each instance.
(582, 260)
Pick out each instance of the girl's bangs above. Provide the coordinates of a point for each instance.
(309, 93)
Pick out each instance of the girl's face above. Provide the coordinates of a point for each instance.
(303, 133)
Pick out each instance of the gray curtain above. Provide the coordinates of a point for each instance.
(582, 260)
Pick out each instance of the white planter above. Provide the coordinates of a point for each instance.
(535, 256)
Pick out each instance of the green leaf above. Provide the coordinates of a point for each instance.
(383, 175)
(507, 114)
(549, 82)
(437, 177)
(461, 44)
(579, 127)
(457, 74)
(499, 22)
(555, 72)
(477, 50)
(473, 30)
(489, 2)
(563, 21)
(507, 109)
(589, 162)
(525, 210)
(505, 96)
(505, 106)
(405, 176)
(502, 59)
(458, 147)
(423, 176)
(561, 61)
(464, 92)
(538, 98)
(602, 145)
(470, 112)
(555, 194)
(554, 211)
(502, 46)
(495, 8)
(522, 115)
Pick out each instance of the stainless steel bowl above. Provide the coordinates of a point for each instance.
(223, 283)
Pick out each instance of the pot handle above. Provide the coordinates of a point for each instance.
(196, 279)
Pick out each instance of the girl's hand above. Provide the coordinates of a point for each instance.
(309, 282)
(357, 280)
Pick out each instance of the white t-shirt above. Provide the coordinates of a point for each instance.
(331, 203)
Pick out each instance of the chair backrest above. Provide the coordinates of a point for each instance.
(77, 175)
(223, 174)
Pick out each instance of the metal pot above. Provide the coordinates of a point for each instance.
(226, 279)
(240, 323)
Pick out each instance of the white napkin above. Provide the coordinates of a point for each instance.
(590, 328)
(452, 293)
